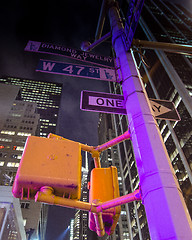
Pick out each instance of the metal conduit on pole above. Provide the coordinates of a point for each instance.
(101, 20)
(112, 142)
(169, 47)
(167, 214)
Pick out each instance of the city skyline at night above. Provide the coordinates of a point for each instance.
(166, 76)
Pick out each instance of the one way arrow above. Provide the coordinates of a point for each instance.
(164, 109)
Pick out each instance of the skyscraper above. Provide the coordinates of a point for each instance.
(166, 76)
(71, 229)
(21, 121)
(80, 227)
(11, 221)
(35, 112)
(47, 97)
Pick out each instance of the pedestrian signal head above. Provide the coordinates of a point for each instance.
(53, 162)
(104, 187)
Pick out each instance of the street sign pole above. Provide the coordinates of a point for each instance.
(166, 211)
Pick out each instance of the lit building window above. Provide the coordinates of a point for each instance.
(25, 205)
(24, 222)
(123, 212)
(8, 132)
(5, 140)
(12, 164)
(19, 148)
(23, 134)
(4, 146)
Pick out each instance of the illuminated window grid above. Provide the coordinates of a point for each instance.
(47, 97)
(39, 92)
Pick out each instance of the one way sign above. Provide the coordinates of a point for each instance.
(114, 103)
(163, 109)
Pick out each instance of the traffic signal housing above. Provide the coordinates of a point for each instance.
(54, 162)
(104, 187)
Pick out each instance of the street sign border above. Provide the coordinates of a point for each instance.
(88, 77)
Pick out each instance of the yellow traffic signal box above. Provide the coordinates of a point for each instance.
(104, 187)
(49, 162)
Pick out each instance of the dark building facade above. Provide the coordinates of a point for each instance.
(166, 76)
(80, 223)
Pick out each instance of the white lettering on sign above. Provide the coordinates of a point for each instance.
(68, 69)
(80, 57)
(71, 68)
(56, 47)
(106, 102)
(41, 47)
(108, 74)
(48, 65)
(32, 46)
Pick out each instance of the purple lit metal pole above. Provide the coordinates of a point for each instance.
(167, 214)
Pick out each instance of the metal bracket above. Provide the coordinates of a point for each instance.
(126, 42)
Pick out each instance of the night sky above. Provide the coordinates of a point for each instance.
(67, 23)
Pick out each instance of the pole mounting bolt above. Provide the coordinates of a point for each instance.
(85, 46)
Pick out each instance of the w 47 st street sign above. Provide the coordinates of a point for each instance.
(76, 70)
(114, 103)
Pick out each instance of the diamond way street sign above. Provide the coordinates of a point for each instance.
(53, 49)
(114, 103)
(76, 70)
